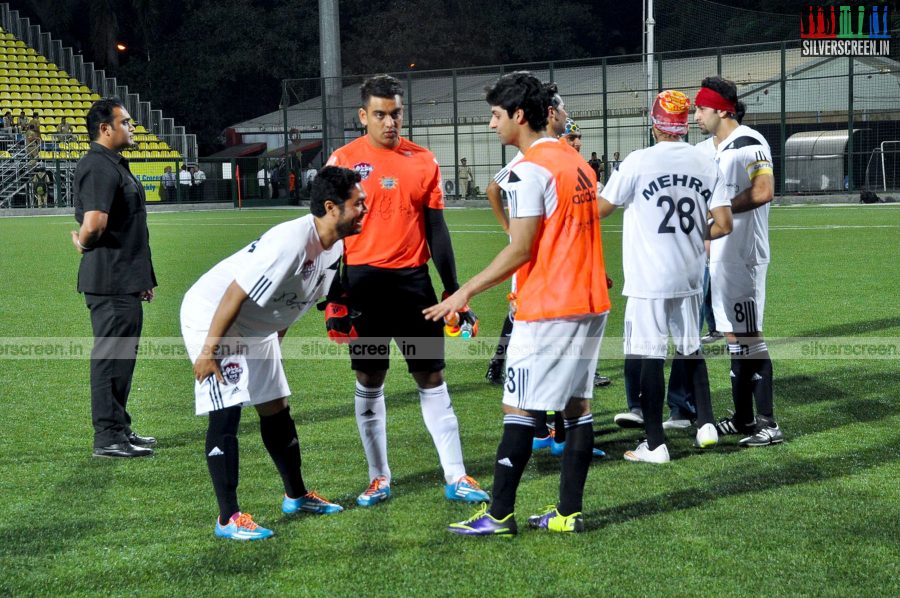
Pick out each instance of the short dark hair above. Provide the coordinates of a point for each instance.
(101, 112)
(522, 90)
(380, 86)
(552, 92)
(332, 183)
(728, 90)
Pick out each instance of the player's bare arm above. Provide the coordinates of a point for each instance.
(760, 192)
(92, 228)
(722, 223)
(227, 312)
(604, 207)
(523, 232)
(495, 198)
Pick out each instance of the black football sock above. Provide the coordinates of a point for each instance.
(503, 341)
(279, 435)
(762, 381)
(633, 382)
(559, 425)
(512, 457)
(575, 463)
(222, 459)
(653, 395)
(540, 424)
(741, 386)
(698, 379)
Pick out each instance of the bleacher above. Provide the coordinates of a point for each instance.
(30, 83)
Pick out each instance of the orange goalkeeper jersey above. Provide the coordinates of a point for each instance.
(399, 183)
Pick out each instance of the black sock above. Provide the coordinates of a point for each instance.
(576, 461)
(540, 424)
(512, 457)
(698, 379)
(279, 435)
(633, 382)
(559, 427)
(741, 386)
(500, 352)
(222, 459)
(762, 381)
(653, 395)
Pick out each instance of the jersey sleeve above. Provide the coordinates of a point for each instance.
(529, 191)
(619, 189)
(435, 189)
(720, 196)
(267, 262)
(758, 160)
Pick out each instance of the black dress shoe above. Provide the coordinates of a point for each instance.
(141, 440)
(122, 450)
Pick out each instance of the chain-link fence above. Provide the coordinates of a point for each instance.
(833, 122)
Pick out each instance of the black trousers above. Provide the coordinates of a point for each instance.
(116, 321)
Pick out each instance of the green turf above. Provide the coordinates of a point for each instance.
(819, 515)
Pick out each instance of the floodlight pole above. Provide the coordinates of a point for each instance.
(330, 68)
(650, 24)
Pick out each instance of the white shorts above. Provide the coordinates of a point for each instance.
(738, 296)
(549, 362)
(264, 375)
(649, 322)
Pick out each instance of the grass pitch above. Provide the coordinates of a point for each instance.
(817, 515)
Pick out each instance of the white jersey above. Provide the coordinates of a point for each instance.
(667, 190)
(708, 147)
(503, 173)
(284, 272)
(742, 156)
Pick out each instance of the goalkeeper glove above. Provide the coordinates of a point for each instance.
(339, 319)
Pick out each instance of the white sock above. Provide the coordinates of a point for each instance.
(440, 419)
(370, 419)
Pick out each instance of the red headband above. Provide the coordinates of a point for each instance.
(712, 99)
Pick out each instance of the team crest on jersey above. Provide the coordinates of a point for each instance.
(307, 269)
(364, 169)
(407, 153)
(232, 372)
(388, 182)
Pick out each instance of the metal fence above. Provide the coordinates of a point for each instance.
(796, 102)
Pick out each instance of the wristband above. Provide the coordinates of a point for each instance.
(80, 246)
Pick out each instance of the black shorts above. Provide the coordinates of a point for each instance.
(390, 304)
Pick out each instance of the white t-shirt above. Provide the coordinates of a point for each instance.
(501, 175)
(530, 189)
(742, 156)
(261, 177)
(667, 190)
(285, 272)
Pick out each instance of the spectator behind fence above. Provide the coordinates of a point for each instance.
(9, 122)
(597, 165)
(40, 186)
(22, 122)
(64, 131)
(262, 178)
(466, 179)
(167, 191)
(199, 179)
(185, 182)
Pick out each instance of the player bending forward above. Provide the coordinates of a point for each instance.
(233, 320)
